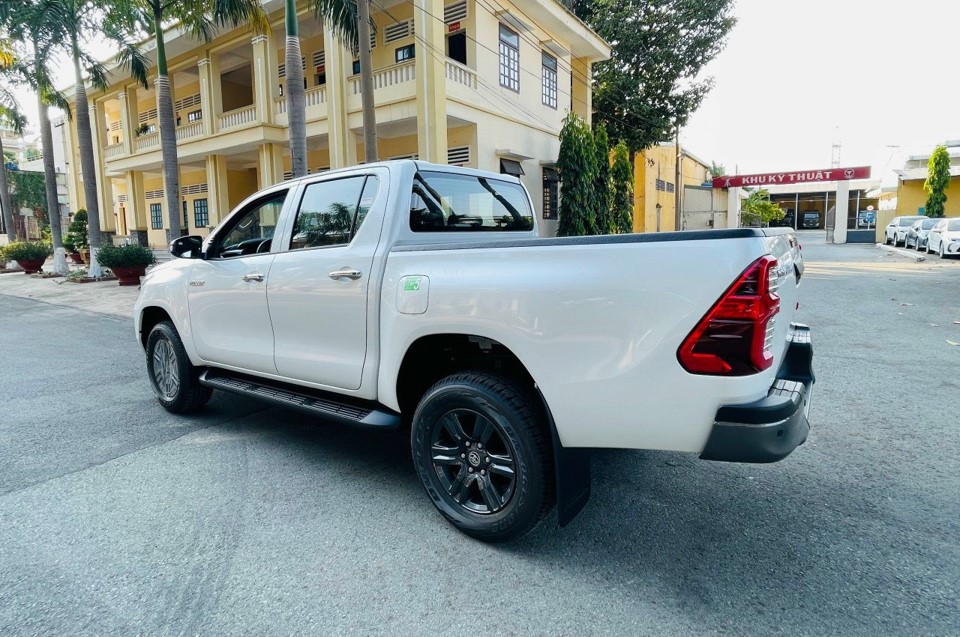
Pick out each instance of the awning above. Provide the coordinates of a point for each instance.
(511, 167)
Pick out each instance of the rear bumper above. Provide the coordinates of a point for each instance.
(771, 428)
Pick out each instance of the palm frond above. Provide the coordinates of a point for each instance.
(232, 13)
(12, 118)
(132, 59)
(96, 71)
(341, 15)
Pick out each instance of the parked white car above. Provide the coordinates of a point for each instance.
(917, 235)
(944, 238)
(896, 230)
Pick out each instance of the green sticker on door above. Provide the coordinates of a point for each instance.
(411, 284)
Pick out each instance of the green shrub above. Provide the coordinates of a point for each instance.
(129, 256)
(27, 251)
(76, 239)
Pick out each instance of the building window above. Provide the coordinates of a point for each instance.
(194, 116)
(661, 185)
(549, 82)
(457, 47)
(156, 216)
(201, 215)
(509, 59)
(670, 187)
(551, 193)
(186, 220)
(405, 53)
(356, 67)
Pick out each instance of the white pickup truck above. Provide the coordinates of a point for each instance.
(407, 294)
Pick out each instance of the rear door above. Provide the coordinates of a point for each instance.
(319, 285)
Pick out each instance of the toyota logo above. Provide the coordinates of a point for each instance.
(474, 458)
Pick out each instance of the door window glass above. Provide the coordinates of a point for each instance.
(251, 231)
(331, 212)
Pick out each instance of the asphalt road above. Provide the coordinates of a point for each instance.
(119, 519)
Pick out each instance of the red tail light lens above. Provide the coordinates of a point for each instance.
(735, 337)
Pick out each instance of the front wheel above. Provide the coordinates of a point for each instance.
(481, 448)
(173, 378)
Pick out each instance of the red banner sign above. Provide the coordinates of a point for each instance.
(452, 28)
(795, 177)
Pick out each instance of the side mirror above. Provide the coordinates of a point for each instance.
(187, 247)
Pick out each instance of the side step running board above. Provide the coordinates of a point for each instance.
(316, 403)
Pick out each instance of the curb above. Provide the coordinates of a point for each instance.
(903, 252)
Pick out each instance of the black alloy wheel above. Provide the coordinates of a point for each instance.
(480, 444)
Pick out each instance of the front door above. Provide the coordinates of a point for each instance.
(228, 289)
(319, 284)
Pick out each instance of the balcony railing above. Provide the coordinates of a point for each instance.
(312, 96)
(390, 76)
(316, 96)
(113, 150)
(461, 74)
(193, 129)
(150, 140)
(238, 117)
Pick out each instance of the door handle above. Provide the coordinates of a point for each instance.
(348, 274)
(253, 276)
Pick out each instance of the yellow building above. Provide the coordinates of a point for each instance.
(912, 198)
(654, 184)
(483, 84)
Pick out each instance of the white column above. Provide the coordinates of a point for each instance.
(341, 138)
(733, 207)
(264, 76)
(840, 218)
(207, 111)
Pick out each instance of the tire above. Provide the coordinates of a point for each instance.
(173, 379)
(886, 239)
(942, 253)
(451, 422)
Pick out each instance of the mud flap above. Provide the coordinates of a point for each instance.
(571, 474)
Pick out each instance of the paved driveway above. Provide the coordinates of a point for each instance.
(118, 519)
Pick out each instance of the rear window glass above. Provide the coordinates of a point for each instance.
(447, 202)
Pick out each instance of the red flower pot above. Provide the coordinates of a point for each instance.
(76, 258)
(131, 275)
(30, 266)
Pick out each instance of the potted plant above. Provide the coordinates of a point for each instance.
(30, 255)
(76, 241)
(128, 262)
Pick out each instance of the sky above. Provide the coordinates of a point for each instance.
(797, 75)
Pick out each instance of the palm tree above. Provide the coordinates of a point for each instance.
(350, 20)
(13, 119)
(127, 20)
(30, 21)
(71, 21)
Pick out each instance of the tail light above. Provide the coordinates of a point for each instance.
(735, 337)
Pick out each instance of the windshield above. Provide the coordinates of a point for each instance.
(926, 224)
(448, 202)
(953, 225)
(904, 221)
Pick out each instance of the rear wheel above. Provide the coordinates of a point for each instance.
(173, 378)
(480, 446)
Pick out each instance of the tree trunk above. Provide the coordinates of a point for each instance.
(168, 137)
(50, 181)
(296, 100)
(5, 202)
(87, 169)
(366, 83)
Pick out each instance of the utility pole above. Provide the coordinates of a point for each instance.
(678, 185)
(366, 83)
